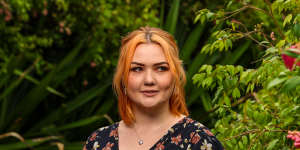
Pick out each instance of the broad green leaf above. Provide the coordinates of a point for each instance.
(80, 100)
(272, 144)
(236, 93)
(241, 145)
(191, 43)
(198, 77)
(227, 100)
(275, 82)
(162, 12)
(291, 84)
(172, 17)
(287, 19)
(207, 82)
(196, 63)
(280, 44)
(80, 123)
(232, 58)
(296, 29)
(209, 69)
(218, 93)
(205, 98)
(28, 143)
(245, 140)
(271, 50)
(35, 81)
(290, 53)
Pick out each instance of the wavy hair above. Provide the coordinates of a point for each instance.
(129, 43)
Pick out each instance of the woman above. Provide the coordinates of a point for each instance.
(149, 82)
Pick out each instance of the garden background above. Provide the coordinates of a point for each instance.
(57, 59)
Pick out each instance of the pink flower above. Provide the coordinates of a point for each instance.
(68, 31)
(8, 15)
(45, 12)
(85, 83)
(62, 24)
(272, 36)
(295, 136)
(290, 61)
(7, 18)
(61, 30)
(93, 64)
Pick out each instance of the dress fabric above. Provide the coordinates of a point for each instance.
(186, 134)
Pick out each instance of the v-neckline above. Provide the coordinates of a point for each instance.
(163, 138)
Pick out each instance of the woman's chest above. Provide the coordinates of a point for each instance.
(130, 140)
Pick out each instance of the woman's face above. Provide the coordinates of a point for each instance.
(150, 82)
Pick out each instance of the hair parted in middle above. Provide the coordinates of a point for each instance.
(129, 43)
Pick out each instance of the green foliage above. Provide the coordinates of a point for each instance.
(56, 64)
(258, 104)
(57, 59)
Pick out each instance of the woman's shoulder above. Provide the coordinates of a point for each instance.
(191, 125)
(199, 136)
(102, 137)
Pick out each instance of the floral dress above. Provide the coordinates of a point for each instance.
(186, 134)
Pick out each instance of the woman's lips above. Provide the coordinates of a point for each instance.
(150, 93)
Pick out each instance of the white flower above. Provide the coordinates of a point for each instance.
(96, 145)
(199, 125)
(102, 128)
(181, 146)
(206, 146)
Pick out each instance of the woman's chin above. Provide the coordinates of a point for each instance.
(151, 103)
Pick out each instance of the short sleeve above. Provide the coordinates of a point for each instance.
(203, 139)
(91, 141)
(103, 138)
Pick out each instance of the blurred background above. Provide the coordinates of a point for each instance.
(57, 59)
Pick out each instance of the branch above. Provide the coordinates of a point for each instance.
(234, 13)
(253, 131)
(275, 21)
(241, 100)
(270, 13)
(248, 34)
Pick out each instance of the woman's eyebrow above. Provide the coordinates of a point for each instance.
(161, 63)
(156, 64)
(137, 63)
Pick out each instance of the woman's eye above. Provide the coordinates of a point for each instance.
(136, 69)
(162, 68)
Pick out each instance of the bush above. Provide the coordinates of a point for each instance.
(255, 107)
(47, 45)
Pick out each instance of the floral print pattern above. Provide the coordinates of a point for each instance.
(186, 134)
(176, 139)
(194, 137)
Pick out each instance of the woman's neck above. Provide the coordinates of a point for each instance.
(153, 118)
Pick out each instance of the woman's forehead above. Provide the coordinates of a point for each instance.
(149, 53)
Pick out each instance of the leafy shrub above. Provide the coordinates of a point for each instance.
(50, 52)
(255, 107)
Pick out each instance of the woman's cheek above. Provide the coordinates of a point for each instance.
(134, 81)
(166, 81)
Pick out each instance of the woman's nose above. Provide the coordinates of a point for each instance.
(149, 78)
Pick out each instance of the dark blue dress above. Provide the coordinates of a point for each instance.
(186, 134)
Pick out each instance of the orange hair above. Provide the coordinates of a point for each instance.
(170, 49)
